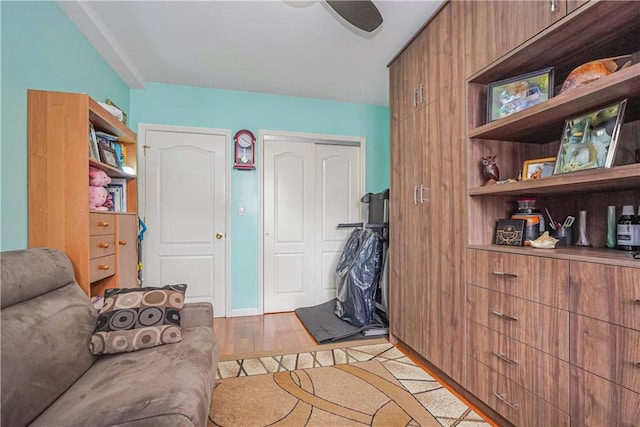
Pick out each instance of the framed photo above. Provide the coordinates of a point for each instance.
(538, 168)
(509, 96)
(108, 156)
(589, 141)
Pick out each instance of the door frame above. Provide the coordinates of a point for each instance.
(142, 194)
(313, 138)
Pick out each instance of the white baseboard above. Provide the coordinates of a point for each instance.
(245, 312)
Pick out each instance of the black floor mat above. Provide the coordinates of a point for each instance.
(325, 326)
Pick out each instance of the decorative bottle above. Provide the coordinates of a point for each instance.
(582, 239)
(611, 227)
(625, 229)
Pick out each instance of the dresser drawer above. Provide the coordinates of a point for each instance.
(102, 267)
(540, 326)
(607, 350)
(598, 402)
(101, 223)
(536, 371)
(592, 284)
(544, 280)
(102, 245)
(522, 408)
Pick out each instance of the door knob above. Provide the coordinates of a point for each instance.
(218, 236)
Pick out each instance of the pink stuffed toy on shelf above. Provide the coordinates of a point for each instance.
(99, 197)
(98, 177)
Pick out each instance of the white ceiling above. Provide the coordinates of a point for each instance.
(285, 47)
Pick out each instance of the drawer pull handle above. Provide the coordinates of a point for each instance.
(637, 300)
(103, 245)
(637, 364)
(103, 224)
(103, 267)
(506, 402)
(504, 357)
(502, 273)
(504, 316)
(122, 242)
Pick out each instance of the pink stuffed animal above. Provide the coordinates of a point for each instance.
(97, 198)
(98, 177)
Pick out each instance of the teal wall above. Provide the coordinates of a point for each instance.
(41, 49)
(223, 109)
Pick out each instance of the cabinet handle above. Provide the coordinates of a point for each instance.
(504, 316)
(415, 194)
(637, 300)
(504, 357)
(506, 402)
(122, 242)
(637, 364)
(422, 189)
(103, 224)
(421, 94)
(103, 245)
(415, 98)
(502, 273)
(553, 5)
(103, 267)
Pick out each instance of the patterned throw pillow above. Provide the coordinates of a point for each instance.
(132, 319)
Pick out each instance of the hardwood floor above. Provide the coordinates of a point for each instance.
(279, 331)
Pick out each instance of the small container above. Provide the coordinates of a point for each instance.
(563, 235)
(625, 234)
(534, 226)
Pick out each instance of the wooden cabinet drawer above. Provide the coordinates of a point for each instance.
(102, 267)
(536, 371)
(594, 284)
(607, 350)
(100, 246)
(598, 402)
(540, 326)
(544, 280)
(100, 223)
(522, 408)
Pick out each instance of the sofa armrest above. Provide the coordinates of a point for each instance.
(197, 314)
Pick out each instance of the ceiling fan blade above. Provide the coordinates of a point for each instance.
(362, 14)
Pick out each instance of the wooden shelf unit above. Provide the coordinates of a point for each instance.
(58, 178)
(535, 132)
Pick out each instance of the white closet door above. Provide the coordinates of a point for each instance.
(185, 195)
(338, 192)
(308, 189)
(289, 218)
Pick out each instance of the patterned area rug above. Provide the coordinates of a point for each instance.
(370, 385)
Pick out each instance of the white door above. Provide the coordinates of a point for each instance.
(338, 192)
(308, 189)
(185, 195)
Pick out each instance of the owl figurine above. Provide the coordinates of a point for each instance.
(490, 169)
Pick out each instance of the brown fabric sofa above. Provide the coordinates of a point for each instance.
(50, 378)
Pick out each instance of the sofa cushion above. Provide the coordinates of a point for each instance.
(47, 322)
(136, 318)
(169, 385)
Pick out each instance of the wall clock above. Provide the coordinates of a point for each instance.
(245, 144)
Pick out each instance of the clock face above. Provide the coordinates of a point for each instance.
(244, 140)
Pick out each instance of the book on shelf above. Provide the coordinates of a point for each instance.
(118, 190)
(93, 144)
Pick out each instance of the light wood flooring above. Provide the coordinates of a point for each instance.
(279, 331)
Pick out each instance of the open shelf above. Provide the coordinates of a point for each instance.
(104, 121)
(111, 171)
(594, 180)
(544, 122)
